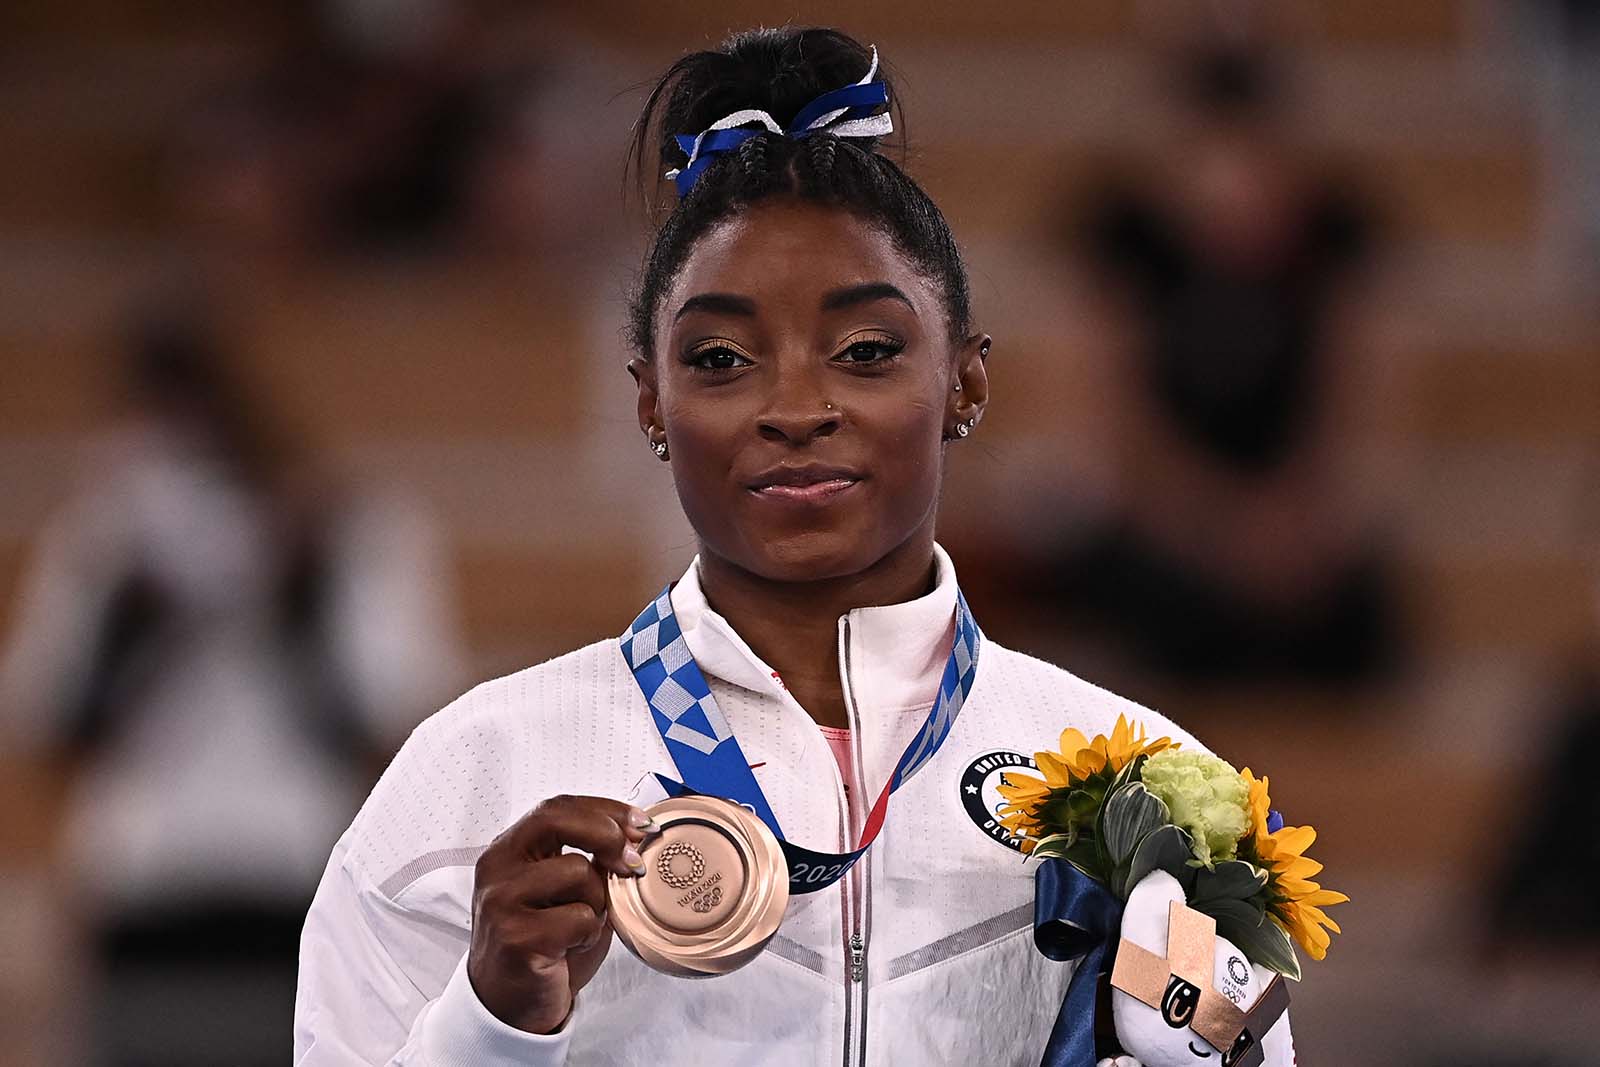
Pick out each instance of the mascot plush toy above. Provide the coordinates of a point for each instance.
(1182, 996)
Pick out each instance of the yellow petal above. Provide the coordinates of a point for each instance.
(1095, 757)
(1017, 787)
(1122, 734)
(1325, 897)
(1294, 839)
(1300, 867)
(1311, 937)
(1056, 773)
(1071, 741)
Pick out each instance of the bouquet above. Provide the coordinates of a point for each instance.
(1118, 809)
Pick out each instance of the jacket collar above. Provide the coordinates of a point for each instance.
(896, 652)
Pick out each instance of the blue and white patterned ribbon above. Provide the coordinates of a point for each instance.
(708, 756)
(846, 112)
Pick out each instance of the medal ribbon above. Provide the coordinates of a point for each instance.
(709, 758)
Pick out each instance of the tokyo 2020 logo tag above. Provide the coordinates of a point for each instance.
(980, 793)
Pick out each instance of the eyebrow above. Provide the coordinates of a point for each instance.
(718, 303)
(852, 295)
(743, 306)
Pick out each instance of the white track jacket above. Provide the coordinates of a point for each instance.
(923, 954)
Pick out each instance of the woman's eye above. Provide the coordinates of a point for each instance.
(718, 357)
(870, 352)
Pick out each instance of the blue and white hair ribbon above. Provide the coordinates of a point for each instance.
(846, 112)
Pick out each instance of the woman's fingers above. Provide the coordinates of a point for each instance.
(609, 830)
(568, 879)
(550, 933)
(539, 925)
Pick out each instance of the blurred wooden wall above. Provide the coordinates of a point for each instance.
(494, 389)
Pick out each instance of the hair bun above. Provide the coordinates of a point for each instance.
(778, 71)
(817, 107)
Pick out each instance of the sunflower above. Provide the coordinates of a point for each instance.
(1295, 901)
(1075, 781)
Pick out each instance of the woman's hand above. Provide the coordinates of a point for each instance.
(539, 923)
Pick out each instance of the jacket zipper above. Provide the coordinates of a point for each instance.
(856, 886)
(844, 919)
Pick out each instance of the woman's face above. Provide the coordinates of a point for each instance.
(805, 381)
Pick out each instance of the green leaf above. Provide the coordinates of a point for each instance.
(1133, 771)
(1264, 943)
(1084, 855)
(1166, 848)
(1232, 879)
(1131, 813)
(1082, 802)
(1053, 845)
(1231, 914)
(1056, 811)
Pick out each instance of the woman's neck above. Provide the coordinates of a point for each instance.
(794, 626)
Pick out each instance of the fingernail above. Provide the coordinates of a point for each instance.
(639, 820)
(635, 862)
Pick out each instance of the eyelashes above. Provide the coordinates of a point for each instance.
(716, 357)
(871, 351)
(722, 357)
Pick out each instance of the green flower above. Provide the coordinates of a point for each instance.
(1206, 797)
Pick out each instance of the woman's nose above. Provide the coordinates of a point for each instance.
(797, 411)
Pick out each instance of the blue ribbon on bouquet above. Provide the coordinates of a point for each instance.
(1074, 918)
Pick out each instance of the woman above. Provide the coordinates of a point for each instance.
(198, 643)
(805, 361)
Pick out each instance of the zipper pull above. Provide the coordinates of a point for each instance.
(858, 958)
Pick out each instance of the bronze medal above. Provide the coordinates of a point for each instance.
(713, 893)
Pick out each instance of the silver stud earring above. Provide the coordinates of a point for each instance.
(964, 428)
(958, 387)
(660, 449)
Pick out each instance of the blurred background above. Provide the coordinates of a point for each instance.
(312, 413)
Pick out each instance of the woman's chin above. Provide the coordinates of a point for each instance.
(812, 555)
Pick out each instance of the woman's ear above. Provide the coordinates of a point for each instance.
(644, 376)
(970, 392)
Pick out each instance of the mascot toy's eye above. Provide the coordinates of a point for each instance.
(1179, 1003)
(1241, 1044)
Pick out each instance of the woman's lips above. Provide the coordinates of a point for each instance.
(820, 492)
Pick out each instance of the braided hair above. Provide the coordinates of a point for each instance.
(779, 71)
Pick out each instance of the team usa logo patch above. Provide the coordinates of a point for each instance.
(980, 792)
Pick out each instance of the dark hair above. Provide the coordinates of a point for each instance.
(1231, 82)
(177, 365)
(780, 71)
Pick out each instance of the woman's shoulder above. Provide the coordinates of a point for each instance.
(583, 680)
(1056, 698)
(477, 765)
